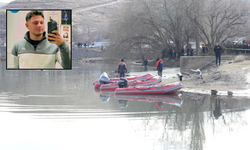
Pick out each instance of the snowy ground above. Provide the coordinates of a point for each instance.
(234, 77)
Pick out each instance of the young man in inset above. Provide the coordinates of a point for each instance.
(35, 51)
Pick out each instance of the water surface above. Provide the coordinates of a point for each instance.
(60, 110)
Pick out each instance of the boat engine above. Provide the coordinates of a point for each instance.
(123, 83)
(179, 76)
(104, 79)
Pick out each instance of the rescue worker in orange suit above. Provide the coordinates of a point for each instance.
(122, 68)
(159, 66)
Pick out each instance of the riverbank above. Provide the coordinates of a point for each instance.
(170, 63)
(234, 76)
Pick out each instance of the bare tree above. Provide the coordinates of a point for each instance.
(217, 20)
(154, 23)
(131, 31)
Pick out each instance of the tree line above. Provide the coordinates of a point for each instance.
(144, 28)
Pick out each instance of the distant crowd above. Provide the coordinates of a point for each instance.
(237, 48)
(229, 48)
(173, 53)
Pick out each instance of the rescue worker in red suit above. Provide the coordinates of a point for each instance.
(159, 66)
(122, 68)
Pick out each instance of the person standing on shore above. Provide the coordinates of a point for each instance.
(159, 66)
(191, 51)
(170, 54)
(203, 48)
(217, 51)
(122, 68)
(175, 52)
(179, 54)
(188, 50)
(145, 62)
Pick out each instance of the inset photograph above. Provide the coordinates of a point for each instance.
(38, 39)
(66, 17)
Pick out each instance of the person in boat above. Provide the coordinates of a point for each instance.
(122, 68)
(159, 66)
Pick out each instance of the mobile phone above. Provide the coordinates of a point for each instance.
(52, 25)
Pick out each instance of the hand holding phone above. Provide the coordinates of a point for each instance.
(52, 25)
(55, 38)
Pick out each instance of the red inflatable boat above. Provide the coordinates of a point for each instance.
(129, 78)
(171, 99)
(112, 86)
(114, 83)
(156, 89)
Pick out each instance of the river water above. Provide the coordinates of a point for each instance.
(60, 110)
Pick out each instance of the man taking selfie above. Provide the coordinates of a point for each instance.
(38, 51)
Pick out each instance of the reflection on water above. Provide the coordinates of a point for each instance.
(59, 110)
(171, 99)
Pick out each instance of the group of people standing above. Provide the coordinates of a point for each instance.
(173, 53)
(238, 48)
(122, 67)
